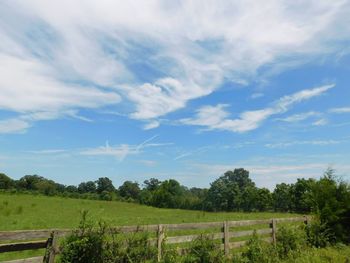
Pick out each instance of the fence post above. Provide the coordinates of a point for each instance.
(160, 241)
(274, 229)
(53, 249)
(226, 229)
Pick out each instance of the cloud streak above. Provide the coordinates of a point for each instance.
(216, 118)
(120, 152)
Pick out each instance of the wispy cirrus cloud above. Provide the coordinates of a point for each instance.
(340, 110)
(216, 118)
(72, 55)
(120, 152)
(48, 151)
(301, 142)
(300, 116)
(13, 126)
(320, 122)
(21, 123)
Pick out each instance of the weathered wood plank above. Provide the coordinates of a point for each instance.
(22, 246)
(30, 234)
(160, 238)
(290, 219)
(188, 226)
(226, 229)
(250, 232)
(131, 229)
(26, 260)
(274, 230)
(248, 222)
(189, 238)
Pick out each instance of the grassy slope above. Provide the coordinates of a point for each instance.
(19, 211)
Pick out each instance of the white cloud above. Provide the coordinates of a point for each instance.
(300, 116)
(151, 125)
(257, 95)
(320, 122)
(27, 85)
(64, 55)
(340, 110)
(120, 152)
(215, 117)
(13, 126)
(312, 142)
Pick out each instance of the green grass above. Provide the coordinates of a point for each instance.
(24, 211)
(330, 254)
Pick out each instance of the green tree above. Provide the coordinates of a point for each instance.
(225, 193)
(282, 197)
(129, 190)
(6, 182)
(87, 187)
(29, 182)
(104, 184)
(301, 193)
(331, 202)
(169, 194)
(152, 184)
(264, 199)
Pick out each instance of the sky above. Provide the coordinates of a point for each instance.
(174, 89)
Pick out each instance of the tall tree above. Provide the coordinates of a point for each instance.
(226, 192)
(282, 197)
(104, 184)
(129, 190)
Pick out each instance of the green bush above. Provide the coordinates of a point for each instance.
(102, 244)
(290, 240)
(84, 244)
(204, 250)
(257, 251)
(318, 234)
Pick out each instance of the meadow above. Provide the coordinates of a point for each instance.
(26, 211)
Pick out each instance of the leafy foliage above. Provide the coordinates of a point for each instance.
(204, 250)
(103, 244)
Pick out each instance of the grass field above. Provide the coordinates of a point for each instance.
(24, 211)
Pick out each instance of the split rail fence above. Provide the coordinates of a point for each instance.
(48, 239)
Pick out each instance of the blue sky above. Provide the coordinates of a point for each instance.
(174, 89)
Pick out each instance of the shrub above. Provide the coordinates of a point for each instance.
(257, 251)
(204, 250)
(290, 240)
(318, 234)
(84, 244)
(102, 244)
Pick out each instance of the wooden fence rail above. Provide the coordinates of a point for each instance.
(52, 235)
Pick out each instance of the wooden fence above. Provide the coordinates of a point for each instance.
(18, 240)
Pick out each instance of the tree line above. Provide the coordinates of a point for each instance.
(328, 197)
(233, 191)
